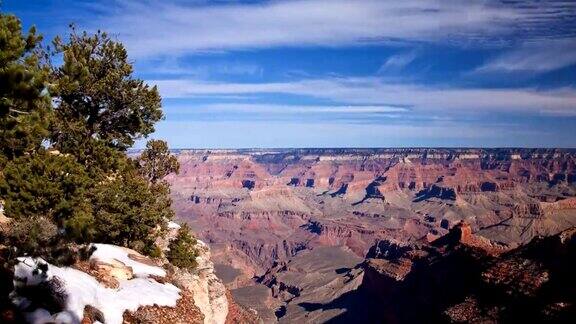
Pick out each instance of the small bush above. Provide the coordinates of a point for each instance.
(154, 251)
(128, 211)
(45, 185)
(31, 236)
(183, 251)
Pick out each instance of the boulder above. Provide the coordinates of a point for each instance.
(114, 269)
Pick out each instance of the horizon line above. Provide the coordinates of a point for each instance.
(373, 148)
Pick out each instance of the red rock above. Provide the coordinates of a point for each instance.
(261, 206)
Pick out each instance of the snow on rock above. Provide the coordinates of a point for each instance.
(208, 291)
(173, 225)
(107, 253)
(82, 289)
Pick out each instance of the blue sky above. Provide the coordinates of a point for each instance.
(334, 73)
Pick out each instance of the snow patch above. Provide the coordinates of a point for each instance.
(107, 253)
(173, 225)
(83, 289)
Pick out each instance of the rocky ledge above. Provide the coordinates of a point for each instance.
(119, 285)
(464, 278)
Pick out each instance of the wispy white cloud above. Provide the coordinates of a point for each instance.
(175, 66)
(374, 91)
(152, 28)
(534, 57)
(397, 62)
(298, 109)
(331, 109)
(222, 134)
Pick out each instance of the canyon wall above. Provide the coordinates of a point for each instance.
(257, 208)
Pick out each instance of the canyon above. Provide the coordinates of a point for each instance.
(299, 235)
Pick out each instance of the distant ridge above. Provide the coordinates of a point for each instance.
(498, 152)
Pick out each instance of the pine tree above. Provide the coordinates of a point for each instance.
(24, 100)
(45, 185)
(129, 212)
(89, 190)
(182, 249)
(156, 162)
(98, 97)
